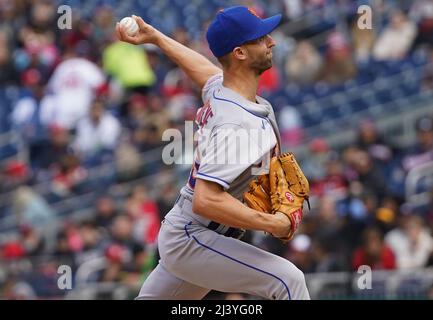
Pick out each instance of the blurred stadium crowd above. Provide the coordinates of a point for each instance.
(82, 115)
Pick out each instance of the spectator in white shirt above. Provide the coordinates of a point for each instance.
(73, 86)
(97, 133)
(395, 41)
(411, 243)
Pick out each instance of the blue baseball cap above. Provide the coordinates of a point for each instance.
(234, 26)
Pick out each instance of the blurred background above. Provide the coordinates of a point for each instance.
(82, 182)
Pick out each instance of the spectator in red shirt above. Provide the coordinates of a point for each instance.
(269, 81)
(374, 252)
(145, 213)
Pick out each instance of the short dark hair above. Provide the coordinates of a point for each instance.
(225, 60)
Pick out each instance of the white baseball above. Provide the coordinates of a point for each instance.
(130, 25)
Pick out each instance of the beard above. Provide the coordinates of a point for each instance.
(261, 65)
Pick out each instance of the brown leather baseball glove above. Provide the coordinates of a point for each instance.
(284, 190)
(258, 196)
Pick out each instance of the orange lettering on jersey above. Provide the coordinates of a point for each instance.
(203, 114)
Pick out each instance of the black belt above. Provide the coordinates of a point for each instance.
(231, 232)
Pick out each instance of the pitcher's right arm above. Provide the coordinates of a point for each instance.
(212, 202)
(198, 68)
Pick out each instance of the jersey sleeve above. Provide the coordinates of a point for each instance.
(211, 84)
(229, 151)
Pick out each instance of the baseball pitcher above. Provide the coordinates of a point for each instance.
(239, 180)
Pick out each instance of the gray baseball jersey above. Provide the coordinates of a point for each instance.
(236, 139)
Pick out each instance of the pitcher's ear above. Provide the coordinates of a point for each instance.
(240, 53)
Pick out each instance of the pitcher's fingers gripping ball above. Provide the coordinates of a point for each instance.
(130, 26)
(144, 34)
